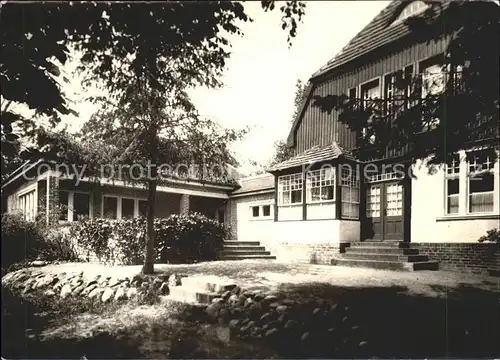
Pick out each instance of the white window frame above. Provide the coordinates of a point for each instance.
(30, 195)
(452, 173)
(464, 198)
(478, 172)
(329, 178)
(349, 182)
(294, 182)
(261, 206)
(71, 202)
(119, 199)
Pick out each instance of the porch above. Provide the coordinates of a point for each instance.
(63, 199)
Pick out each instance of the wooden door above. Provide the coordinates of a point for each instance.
(374, 212)
(384, 211)
(393, 211)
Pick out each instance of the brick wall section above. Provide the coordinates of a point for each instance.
(53, 196)
(42, 197)
(232, 205)
(479, 258)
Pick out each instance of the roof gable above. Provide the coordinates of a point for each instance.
(380, 31)
(316, 154)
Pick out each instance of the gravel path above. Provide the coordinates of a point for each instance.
(267, 274)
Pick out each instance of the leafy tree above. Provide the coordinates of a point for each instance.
(282, 151)
(36, 39)
(145, 55)
(429, 124)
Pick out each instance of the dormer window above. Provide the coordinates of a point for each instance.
(412, 9)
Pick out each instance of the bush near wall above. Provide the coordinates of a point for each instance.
(492, 236)
(26, 241)
(179, 239)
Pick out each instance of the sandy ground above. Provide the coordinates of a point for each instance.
(265, 274)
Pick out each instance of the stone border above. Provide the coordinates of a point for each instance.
(105, 289)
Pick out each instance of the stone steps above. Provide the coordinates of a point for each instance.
(382, 244)
(241, 243)
(248, 257)
(387, 265)
(386, 256)
(240, 250)
(381, 250)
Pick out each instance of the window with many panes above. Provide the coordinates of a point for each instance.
(118, 207)
(320, 185)
(373, 196)
(452, 185)
(27, 205)
(290, 189)
(74, 205)
(480, 181)
(349, 181)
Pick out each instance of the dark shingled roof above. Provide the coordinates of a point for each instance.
(255, 183)
(380, 31)
(315, 154)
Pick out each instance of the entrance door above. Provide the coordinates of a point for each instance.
(384, 211)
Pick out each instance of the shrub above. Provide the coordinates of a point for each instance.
(25, 241)
(20, 240)
(492, 235)
(179, 239)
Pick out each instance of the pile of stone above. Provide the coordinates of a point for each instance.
(105, 289)
(286, 322)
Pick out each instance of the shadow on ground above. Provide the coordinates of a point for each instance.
(463, 322)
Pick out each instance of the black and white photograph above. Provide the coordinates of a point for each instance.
(250, 179)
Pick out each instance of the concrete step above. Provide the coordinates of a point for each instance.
(248, 257)
(385, 257)
(208, 283)
(242, 243)
(244, 252)
(190, 295)
(242, 248)
(381, 250)
(386, 244)
(387, 265)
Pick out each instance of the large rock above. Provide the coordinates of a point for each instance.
(114, 282)
(47, 280)
(96, 293)
(120, 294)
(78, 290)
(65, 291)
(88, 289)
(233, 299)
(164, 290)
(281, 309)
(271, 333)
(107, 295)
(214, 309)
(131, 292)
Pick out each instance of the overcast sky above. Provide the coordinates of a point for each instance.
(262, 71)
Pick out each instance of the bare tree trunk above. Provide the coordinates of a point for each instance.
(148, 267)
